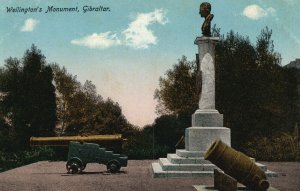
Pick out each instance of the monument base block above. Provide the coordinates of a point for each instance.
(207, 118)
(200, 138)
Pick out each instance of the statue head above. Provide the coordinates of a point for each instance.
(205, 9)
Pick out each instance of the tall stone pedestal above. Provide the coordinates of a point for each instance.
(207, 125)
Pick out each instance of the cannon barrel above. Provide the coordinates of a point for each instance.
(64, 141)
(237, 165)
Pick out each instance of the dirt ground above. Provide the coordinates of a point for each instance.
(44, 176)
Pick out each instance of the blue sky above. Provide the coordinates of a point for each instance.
(124, 51)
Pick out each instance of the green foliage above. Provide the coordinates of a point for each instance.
(279, 147)
(9, 160)
(141, 145)
(66, 87)
(7, 142)
(28, 96)
(168, 130)
(82, 111)
(176, 94)
(158, 139)
(147, 153)
(255, 94)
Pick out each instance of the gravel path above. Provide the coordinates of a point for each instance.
(44, 176)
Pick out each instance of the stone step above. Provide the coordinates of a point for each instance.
(159, 173)
(262, 166)
(270, 173)
(168, 166)
(186, 153)
(175, 159)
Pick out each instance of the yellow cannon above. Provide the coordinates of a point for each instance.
(64, 141)
(237, 165)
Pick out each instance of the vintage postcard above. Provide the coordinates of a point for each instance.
(163, 79)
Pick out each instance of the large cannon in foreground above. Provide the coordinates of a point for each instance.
(64, 141)
(237, 165)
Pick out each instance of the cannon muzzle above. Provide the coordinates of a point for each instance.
(64, 141)
(237, 165)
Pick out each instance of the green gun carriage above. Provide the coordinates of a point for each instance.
(82, 151)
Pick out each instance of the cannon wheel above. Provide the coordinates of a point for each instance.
(74, 166)
(113, 166)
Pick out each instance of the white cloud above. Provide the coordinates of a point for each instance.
(290, 2)
(255, 12)
(101, 40)
(29, 25)
(271, 10)
(138, 35)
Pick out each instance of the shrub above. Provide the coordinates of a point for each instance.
(147, 153)
(20, 158)
(280, 147)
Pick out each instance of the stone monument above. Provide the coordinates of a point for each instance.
(207, 122)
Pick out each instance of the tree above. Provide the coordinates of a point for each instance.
(236, 84)
(168, 130)
(177, 94)
(39, 110)
(112, 121)
(66, 87)
(253, 90)
(82, 111)
(28, 96)
(5, 138)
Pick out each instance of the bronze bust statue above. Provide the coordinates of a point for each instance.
(204, 11)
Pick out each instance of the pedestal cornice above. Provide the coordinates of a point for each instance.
(204, 39)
